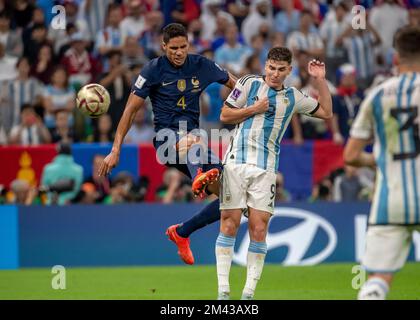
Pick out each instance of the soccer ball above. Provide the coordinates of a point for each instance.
(93, 100)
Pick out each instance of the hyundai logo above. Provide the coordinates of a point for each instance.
(297, 238)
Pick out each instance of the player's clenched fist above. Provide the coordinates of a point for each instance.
(261, 106)
(108, 163)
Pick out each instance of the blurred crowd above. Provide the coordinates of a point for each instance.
(43, 65)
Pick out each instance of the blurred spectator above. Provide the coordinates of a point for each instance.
(322, 191)
(345, 103)
(174, 188)
(63, 168)
(194, 35)
(223, 21)
(133, 53)
(62, 131)
(10, 39)
(386, 18)
(37, 40)
(232, 55)
(252, 65)
(44, 65)
(38, 17)
(111, 37)
(360, 45)
(79, 63)
(260, 47)
(87, 194)
(103, 129)
(239, 9)
(122, 189)
(185, 11)
(101, 183)
(94, 11)
(7, 65)
(307, 37)
(288, 19)
(347, 187)
(134, 24)
(118, 82)
(208, 18)
(23, 90)
(31, 130)
(22, 13)
(260, 13)
(21, 193)
(141, 131)
(282, 195)
(331, 29)
(58, 96)
(151, 38)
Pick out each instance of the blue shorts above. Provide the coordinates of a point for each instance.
(212, 160)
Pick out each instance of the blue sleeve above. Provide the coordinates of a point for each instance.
(214, 73)
(144, 81)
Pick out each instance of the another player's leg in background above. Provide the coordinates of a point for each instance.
(225, 243)
(376, 287)
(387, 249)
(257, 250)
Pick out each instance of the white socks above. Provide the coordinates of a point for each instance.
(374, 289)
(255, 263)
(224, 254)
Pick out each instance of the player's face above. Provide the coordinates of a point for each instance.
(276, 72)
(176, 50)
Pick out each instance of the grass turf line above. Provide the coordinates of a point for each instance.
(327, 281)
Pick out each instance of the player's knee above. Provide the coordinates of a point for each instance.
(257, 232)
(229, 227)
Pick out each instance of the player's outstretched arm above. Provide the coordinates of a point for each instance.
(232, 115)
(316, 69)
(355, 156)
(133, 104)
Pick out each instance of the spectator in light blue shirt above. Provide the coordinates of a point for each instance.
(288, 19)
(232, 54)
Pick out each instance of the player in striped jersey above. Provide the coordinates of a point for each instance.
(390, 115)
(262, 108)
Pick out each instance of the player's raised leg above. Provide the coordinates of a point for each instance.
(225, 243)
(257, 250)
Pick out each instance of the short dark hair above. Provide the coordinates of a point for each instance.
(407, 42)
(280, 54)
(174, 30)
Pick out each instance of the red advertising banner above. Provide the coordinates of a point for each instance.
(24, 163)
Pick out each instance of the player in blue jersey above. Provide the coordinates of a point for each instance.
(174, 83)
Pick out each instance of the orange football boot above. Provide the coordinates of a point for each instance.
(183, 244)
(203, 179)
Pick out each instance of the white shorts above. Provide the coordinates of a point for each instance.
(246, 185)
(387, 248)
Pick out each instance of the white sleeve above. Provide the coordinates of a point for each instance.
(305, 104)
(238, 96)
(362, 127)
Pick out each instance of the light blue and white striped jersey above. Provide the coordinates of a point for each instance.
(257, 139)
(300, 41)
(21, 92)
(361, 54)
(390, 113)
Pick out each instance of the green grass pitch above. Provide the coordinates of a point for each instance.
(325, 282)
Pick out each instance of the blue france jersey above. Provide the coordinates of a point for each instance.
(175, 92)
